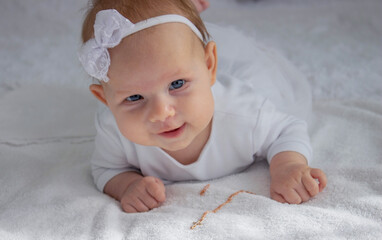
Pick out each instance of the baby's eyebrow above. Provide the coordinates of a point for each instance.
(126, 92)
(171, 75)
(125, 89)
(180, 73)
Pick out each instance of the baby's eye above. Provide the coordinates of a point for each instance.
(177, 84)
(134, 98)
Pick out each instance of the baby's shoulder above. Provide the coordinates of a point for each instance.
(234, 99)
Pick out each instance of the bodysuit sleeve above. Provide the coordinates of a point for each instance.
(277, 132)
(109, 157)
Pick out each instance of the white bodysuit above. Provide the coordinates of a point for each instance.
(246, 125)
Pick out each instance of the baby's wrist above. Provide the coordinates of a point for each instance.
(287, 158)
(118, 185)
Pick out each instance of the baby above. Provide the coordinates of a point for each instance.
(166, 117)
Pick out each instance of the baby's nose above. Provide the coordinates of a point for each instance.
(161, 110)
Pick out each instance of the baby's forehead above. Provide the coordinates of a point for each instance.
(166, 39)
(169, 32)
(156, 52)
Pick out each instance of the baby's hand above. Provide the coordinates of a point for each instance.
(143, 195)
(292, 180)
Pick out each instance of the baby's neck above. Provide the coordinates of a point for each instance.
(184, 158)
(191, 153)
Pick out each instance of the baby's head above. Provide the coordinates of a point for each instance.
(158, 83)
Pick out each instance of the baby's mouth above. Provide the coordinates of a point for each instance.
(174, 132)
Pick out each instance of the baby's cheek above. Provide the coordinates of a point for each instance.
(132, 130)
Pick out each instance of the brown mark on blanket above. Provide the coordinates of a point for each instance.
(219, 207)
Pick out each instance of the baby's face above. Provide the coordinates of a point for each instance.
(160, 87)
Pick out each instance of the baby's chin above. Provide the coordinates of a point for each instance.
(169, 147)
(176, 147)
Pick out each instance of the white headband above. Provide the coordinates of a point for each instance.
(110, 28)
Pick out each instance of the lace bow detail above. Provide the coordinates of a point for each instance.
(108, 28)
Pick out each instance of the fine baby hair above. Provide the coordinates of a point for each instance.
(139, 10)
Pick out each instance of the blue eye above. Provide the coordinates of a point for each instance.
(134, 98)
(177, 84)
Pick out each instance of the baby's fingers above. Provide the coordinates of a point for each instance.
(303, 193)
(320, 175)
(310, 185)
(157, 190)
(277, 197)
(134, 205)
(128, 207)
(288, 195)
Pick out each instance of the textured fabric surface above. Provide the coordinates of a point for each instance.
(48, 193)
(47, 130)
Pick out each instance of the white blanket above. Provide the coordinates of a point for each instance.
(47, 191)
(47, 131)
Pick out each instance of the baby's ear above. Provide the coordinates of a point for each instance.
(98, 92)
(211, 59)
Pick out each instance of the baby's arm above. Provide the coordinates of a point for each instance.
(285, 143)
(292, 180)
(135, 192)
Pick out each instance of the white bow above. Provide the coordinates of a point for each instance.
(107, 34)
